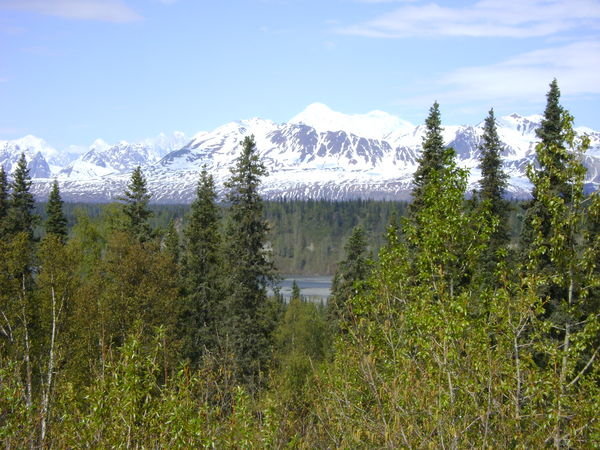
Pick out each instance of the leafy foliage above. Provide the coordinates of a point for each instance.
(123, 336)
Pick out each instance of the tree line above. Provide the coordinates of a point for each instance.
(115, 335)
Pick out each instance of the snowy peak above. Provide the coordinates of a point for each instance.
(524, 125)
(37, 154)
(372, 125)
(103, 159)
(320, 153)
(164, 144)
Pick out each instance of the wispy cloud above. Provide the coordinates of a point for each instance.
(523, 78)
(101, 10)
(485, 18)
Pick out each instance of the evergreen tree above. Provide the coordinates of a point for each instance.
(552, 158)
(57, 222)
(20, 215)
(351, 271)
(492, 187)
(555, 175)
(249, 266)
(4, 203)
(559, 261)
(295, 291)
(438, 214)
(136, 210)
(433, 157)
(202, 268)
(551, 131)
(171, 242)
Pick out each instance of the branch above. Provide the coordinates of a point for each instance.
(9, 333)
(585, 368)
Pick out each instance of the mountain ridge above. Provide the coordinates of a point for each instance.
(319, 153)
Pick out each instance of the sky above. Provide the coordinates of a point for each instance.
(72, 71)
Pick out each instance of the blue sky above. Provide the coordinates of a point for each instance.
(75, 70)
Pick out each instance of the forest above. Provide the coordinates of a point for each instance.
(458, 320)
(307, 236)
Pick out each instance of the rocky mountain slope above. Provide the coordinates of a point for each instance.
(319, 153)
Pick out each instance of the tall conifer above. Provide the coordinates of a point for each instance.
(352, 270)
(249, 267)
(4, 203)
(202, 267)
(20, 215)
(559, 255)
(171, 242)
(57, 222)
(136, 210)
(433, 157)
(492, 187)
(552, 158)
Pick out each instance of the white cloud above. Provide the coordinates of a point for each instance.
(523, 78)
(484, 18)
(101, 10)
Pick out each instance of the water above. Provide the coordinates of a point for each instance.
(317, 288)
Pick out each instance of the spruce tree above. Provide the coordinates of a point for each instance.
(551, 131)
(433, 157)
(552, 158)
(438, 214)
(552, 154)
(20, 214)
(295, 291)
(203, 276)
(492, 188)
(248, 266)
(57, 222)
(351, 271)
(561, 259)
(136, 210)
(171, 242)
(4, 203)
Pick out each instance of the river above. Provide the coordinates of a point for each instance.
(315, 288)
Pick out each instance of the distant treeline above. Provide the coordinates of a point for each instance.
(307, 236)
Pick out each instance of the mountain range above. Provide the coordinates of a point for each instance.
(320, 153)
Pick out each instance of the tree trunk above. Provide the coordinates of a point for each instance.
(48, 388)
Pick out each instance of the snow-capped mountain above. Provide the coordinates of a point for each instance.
(103, 159)
(319, 153)
(374, 125)
(42, 159)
